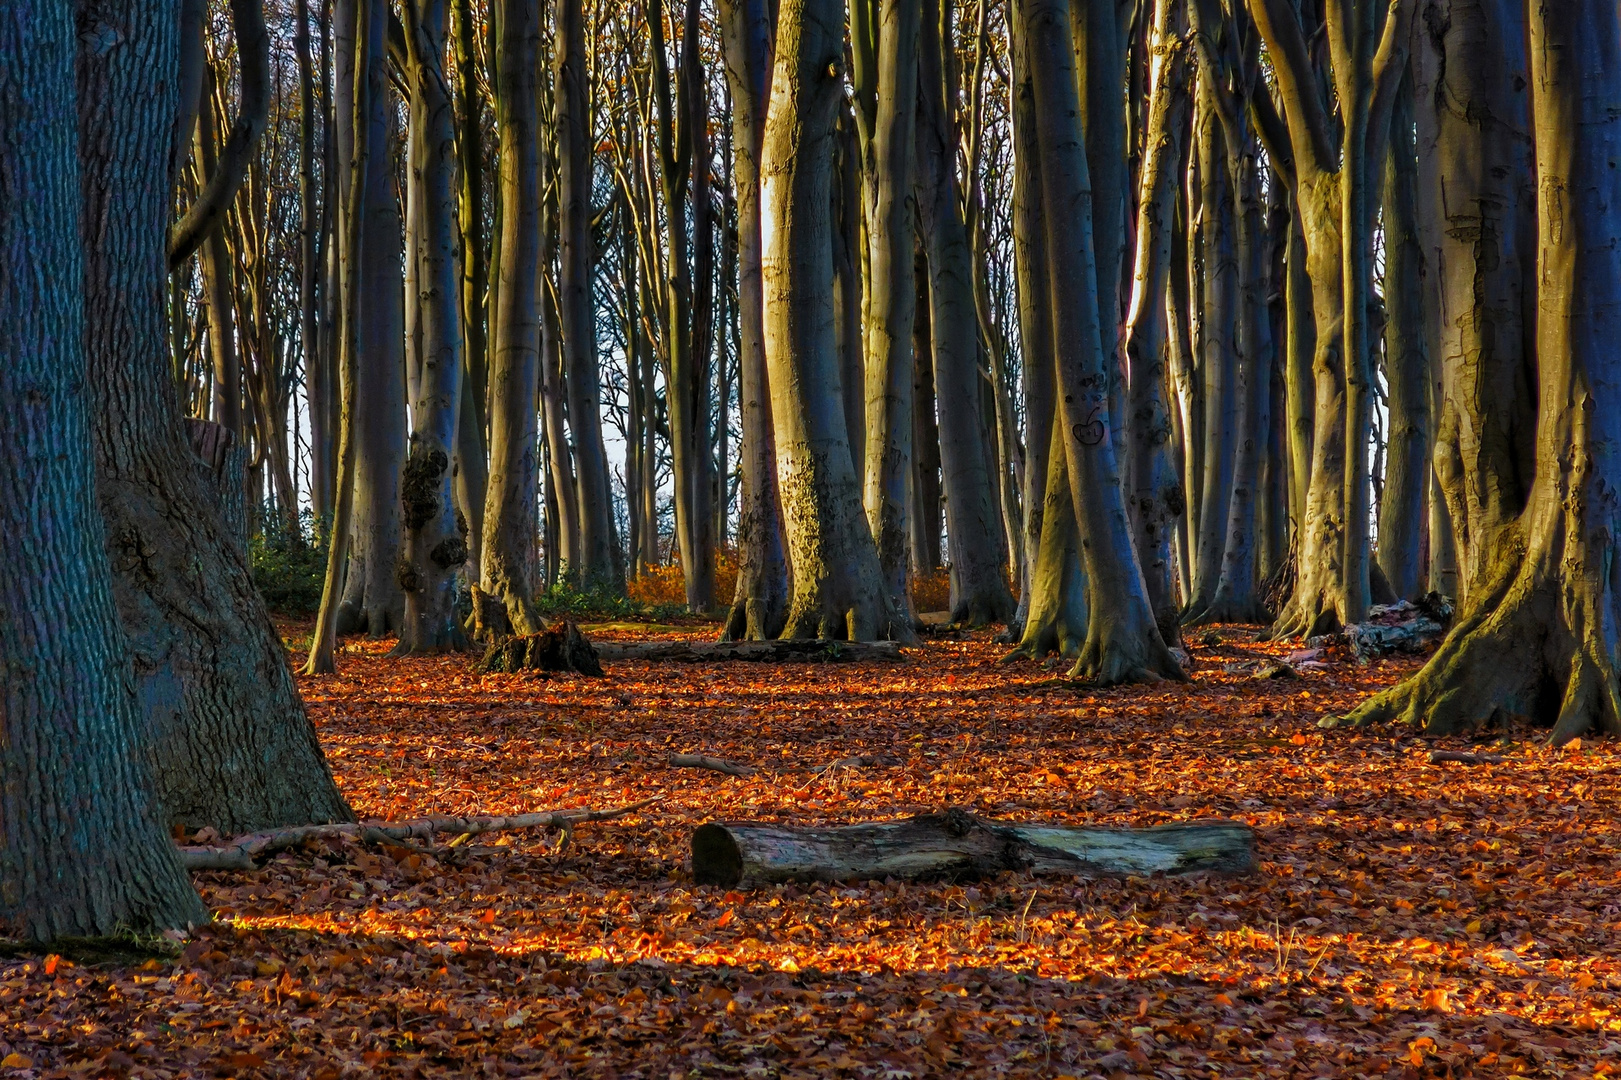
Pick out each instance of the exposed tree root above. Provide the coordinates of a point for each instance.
(241, 853)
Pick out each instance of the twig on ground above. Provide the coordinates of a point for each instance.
(240, 854)
(720, 765)
(1458, 757)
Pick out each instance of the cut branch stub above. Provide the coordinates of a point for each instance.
(956, 844)
(561, 648)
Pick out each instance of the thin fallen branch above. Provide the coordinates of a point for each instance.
(732, 768)
(240, 854)
(715, 764)
(780, 652)
(861, 761)
(1458, 757)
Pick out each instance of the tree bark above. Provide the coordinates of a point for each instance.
(888, 175)
(956, 844)
(1549, 580)
(1123, 644)
(837, 591)
(509, 571)
(70, 724)
(434, 548)
(760, 604)
(595, 561)
(229, 740)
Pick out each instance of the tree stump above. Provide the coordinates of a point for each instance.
(560, 648)
(956, 844)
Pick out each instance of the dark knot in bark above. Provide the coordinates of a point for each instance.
(419, 486)
(408, 576)
(449, 552)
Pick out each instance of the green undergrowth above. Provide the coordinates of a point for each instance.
(597, 603)
(289, 568)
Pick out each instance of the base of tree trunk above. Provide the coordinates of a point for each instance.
(956, 844)
(765, 652)
(561, 648)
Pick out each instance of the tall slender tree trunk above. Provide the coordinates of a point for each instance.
(434, 548)
(760, 603)
(229, 741)
(595, 561)
(979, 591)
(837, 590)
(891, 290)
(83, 846)
(509, 571)
(317, 360)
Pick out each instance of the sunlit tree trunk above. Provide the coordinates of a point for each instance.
(836, 585)
(1548, 578)
(760, 603)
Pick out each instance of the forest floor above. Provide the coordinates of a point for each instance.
(1406, 919)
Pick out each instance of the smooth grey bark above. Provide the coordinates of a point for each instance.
(1058, 614)
(1123, 644)
(926, 522)
(1538, 636)
(890, 138)
(848, 287)
(509, 571)
(434, 549)
(979, 589)
(1404, 506)
(1477, 205)
(219, 285)
(229, 740)
(1035, 327)
(760, 603)
(373, 601)
(837, 591)
(83, 846)
(1155, 499)
(595, 560)
(317, 360)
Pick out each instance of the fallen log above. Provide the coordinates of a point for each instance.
(956, 844)
(240, 853)
(767, 652)
(1458, 757)
(715, 764)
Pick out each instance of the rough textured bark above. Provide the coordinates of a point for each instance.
(837, 591)
(83, 846)
(1122, 644)
(595, 560)
(760, 604)
(509, 569)
(979, 589)
(230, 743)
(1540, 635)
(889, 170)
(1477, 206)
(434, 549)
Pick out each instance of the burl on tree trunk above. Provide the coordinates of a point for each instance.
(958, 844)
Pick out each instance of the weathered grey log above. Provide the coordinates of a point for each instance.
(769, 652)
(956, 844)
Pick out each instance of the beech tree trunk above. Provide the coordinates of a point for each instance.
(979, 589)
(509, 570)
(84, 850)
(889, 168)
(759, 606)
(228, 738)
(1537, 638)
(434, 548)
(595, 561)
(1122, 643)
(837, 590)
